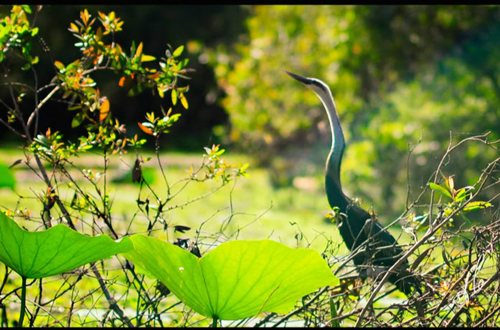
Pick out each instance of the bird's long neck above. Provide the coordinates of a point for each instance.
(333, 185)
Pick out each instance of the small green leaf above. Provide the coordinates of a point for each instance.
(26, 8)
(463, 193)
(77, 119)
(53, 251)
(238, 279)
(460, 195)
(440, 189)
(136, 90)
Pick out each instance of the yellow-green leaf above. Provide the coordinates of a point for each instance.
(138, 52)
(184, 101)
(53, 251)
(476, 206)
(178, 51)
(174, 96)
(238, 279)
(147, 58)
(440, 189)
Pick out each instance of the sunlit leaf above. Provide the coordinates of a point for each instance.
(174, 96)
(125, 80)
(160, 92)
(237, 279)
(440, 189)
(145, 129)
(53, 251)
(147, 58)
(150, 116)
(476, 206)
(178, 51)
(26, 8)
(451, 183)
(59, 65)
(184, 102)
(104, 110)
(138, 52)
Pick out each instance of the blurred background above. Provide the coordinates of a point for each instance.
(402, 76)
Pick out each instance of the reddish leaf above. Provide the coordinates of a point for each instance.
(104, 110)
(145, 129)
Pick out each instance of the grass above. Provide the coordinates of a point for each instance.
(259, 211)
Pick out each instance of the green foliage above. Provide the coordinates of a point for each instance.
(53, 251)
(155, 125)
(217, 168)
(75, 80)
(399, 75)
(238, 279)
(16, 35)
(461, 198)
(266, 108)
(7, 179)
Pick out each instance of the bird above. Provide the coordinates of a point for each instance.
(359, 229)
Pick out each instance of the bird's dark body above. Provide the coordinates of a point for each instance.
(377, 247)
(354, 233)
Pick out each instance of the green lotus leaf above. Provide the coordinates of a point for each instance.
(53, 251)
(6, 177)
(237, 279)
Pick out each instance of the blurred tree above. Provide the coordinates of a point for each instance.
(396, 72)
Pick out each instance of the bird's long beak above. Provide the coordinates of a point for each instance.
(303, 80)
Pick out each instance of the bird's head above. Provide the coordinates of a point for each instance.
(319, 87)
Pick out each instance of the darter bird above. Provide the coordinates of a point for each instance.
(372, 246)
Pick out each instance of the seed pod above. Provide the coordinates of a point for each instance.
(136, 171)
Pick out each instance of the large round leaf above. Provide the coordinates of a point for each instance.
(6, 177)
(53, 251)
(237, 279)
